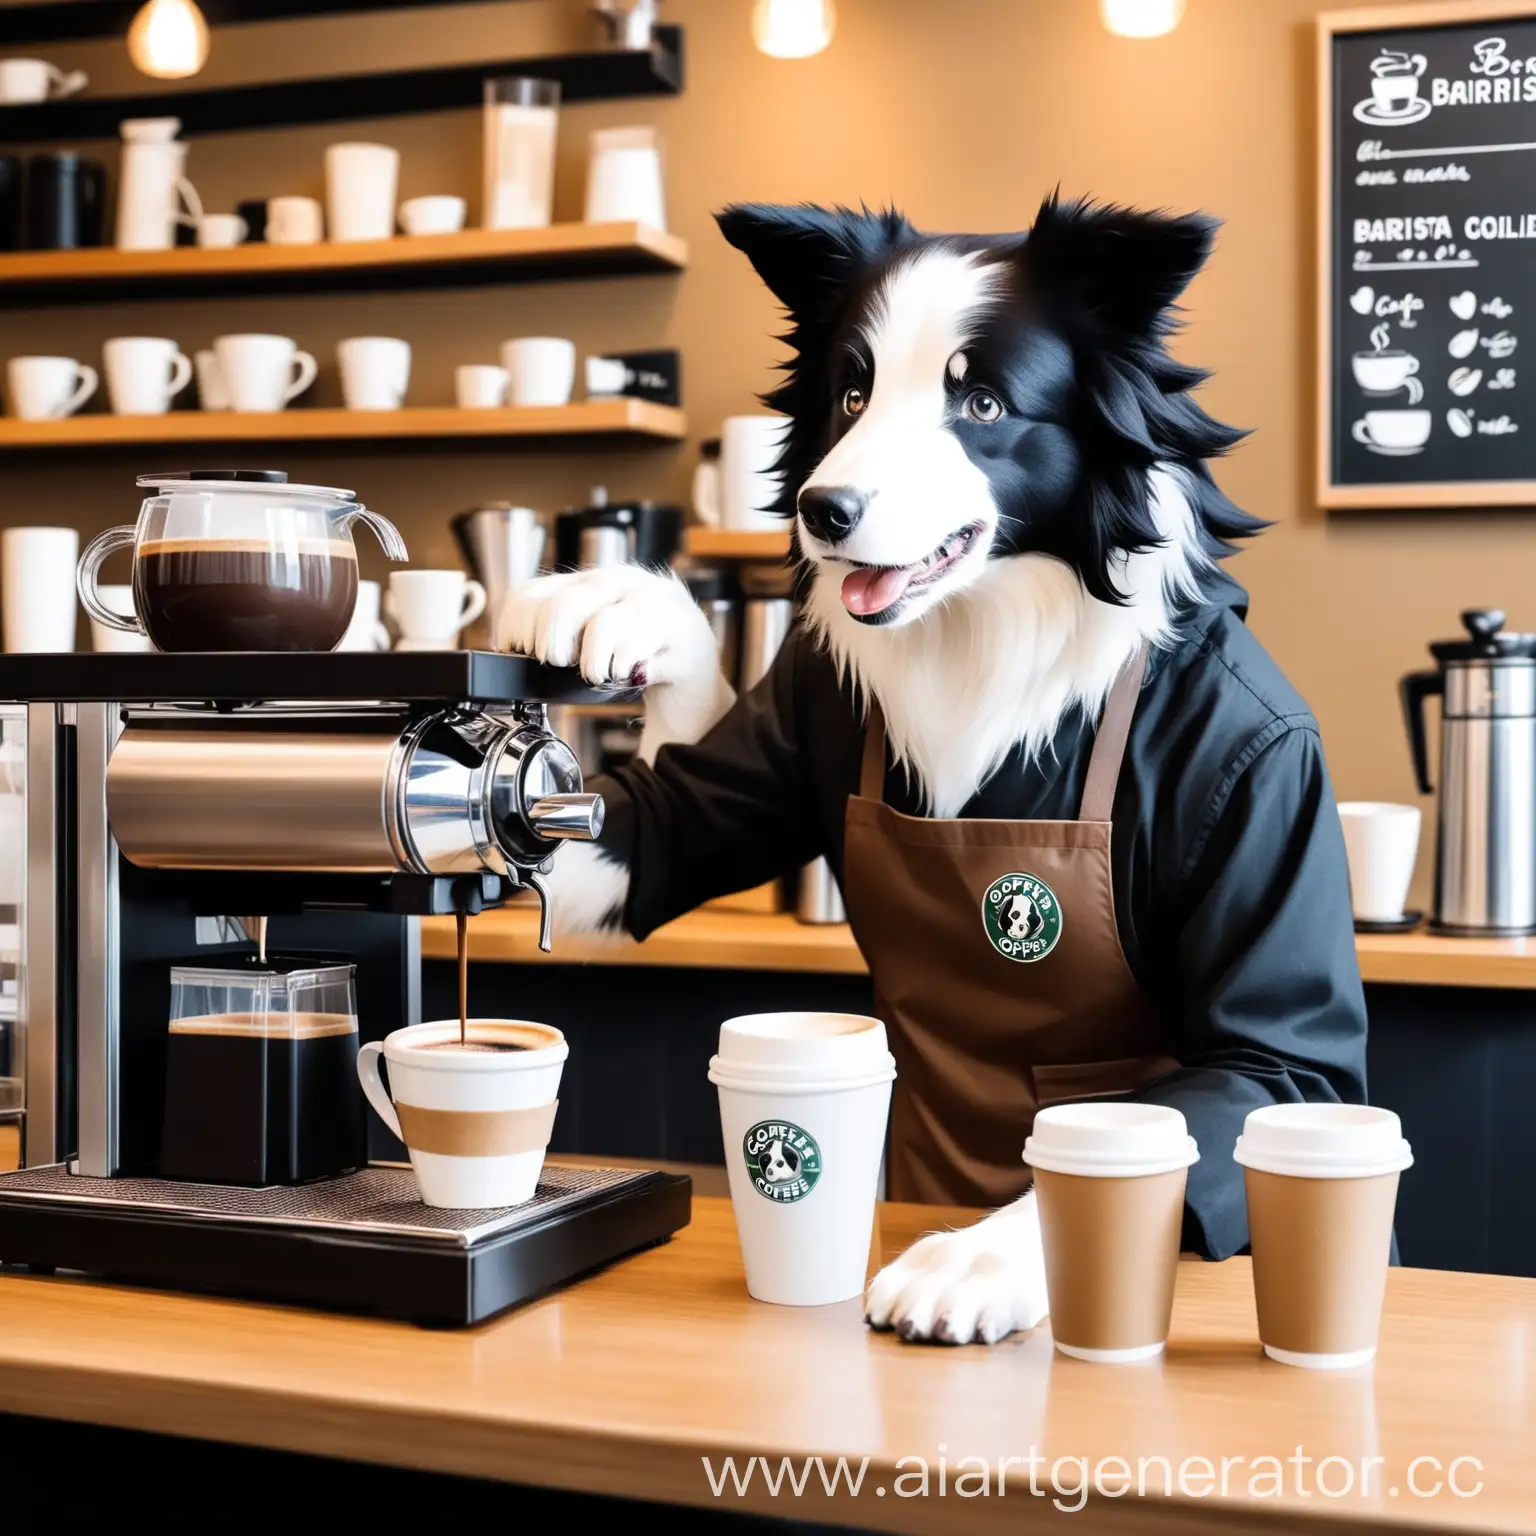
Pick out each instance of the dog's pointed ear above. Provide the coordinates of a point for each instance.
(1127, 266)
(808, 255)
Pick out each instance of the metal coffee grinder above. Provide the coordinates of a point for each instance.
(345, 794)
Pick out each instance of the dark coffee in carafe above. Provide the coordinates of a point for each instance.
(256, 1099)
(245, 594)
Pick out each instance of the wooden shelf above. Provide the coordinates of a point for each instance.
(602, 75)
(588, 418)
(472, 255)
(728, 544)
(1433, 960)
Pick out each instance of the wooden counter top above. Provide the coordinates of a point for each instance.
(623, 1383)
(777, 942)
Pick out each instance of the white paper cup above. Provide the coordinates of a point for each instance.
(432, 215)
(1109, 1179)
(360, 191)
(541, 369)
(294, 221)
(1321, 1181)
(804, 1099)
(1381, 843)
(475, 1123)
(38, 602)
(480, 386)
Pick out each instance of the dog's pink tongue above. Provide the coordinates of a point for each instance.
(871, 589)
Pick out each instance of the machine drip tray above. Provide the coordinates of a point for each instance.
(362, 1243)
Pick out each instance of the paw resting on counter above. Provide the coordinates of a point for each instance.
(974, 1286)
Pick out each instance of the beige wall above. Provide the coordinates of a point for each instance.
(961, 111)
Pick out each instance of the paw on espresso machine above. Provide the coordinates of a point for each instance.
(343, 795)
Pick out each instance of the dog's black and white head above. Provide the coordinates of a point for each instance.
(778, 1163)
(995, 469)
(1022, 919)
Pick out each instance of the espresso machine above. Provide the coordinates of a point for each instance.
(346, 795)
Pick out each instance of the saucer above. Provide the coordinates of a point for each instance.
(1393, 453)
(1404, 924)
(1368, 112)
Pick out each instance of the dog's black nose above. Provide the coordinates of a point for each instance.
(832, 512)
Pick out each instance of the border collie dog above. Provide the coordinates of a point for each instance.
(997, 479)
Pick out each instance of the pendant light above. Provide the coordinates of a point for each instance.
(1141, 18)
(169, 39)
(792, 29)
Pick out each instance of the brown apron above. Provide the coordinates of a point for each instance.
(998, 971)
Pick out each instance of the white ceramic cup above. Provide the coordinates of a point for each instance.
(360, 191)
(219, 231)
(144, 373)
(804, 1099)
(48, 388)
(25, 80)
(737, 491)
(1393, 429)
(480, 386)
(212, 391)
(263, 373)
(294, 221)
(541, 370)
(476, 1123)
(430, 608)
(37, 588)
(1321, 1186)
(120, 600)
(433, 215)
(365, 632)
(1110, 1182)
(375, 371)
(1381, 842)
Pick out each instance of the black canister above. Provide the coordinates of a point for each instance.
(65, 202)
(10, 202)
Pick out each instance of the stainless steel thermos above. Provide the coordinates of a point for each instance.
(1485, 865)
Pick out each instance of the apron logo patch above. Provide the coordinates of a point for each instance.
(1022, 917)
(783, 1161)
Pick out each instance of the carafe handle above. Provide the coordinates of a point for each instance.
(96, 551)
(1417, 687)
(384, 530)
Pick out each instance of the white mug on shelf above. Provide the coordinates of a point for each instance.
(294, 221)
(27, 80)
(735, 492)
(219, 231)
(480, 386)
(119, 600)
(365, 632)
(1381, 844)
(624, 181)
(541, 370)
(144, 373)
(263, 373)
(360, 191)
(433, 215)
(430, 608)
(374, 372)
(48, 388)
(212, 391)
(37, 588)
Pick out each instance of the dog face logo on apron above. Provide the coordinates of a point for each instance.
(1022, 917)
(783, 1161)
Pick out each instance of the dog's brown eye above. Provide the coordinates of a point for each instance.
(854, 401)
(983, 406)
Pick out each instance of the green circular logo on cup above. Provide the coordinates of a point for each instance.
(1021, 916)
(783, 1161)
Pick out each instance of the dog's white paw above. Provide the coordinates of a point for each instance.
(976, 1285)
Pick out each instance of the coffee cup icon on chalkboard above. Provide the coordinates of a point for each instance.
(1393, 432)
(1386, 372)
(1394, 99)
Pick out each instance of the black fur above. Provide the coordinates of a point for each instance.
(1076, 351)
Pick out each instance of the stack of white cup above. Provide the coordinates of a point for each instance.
(804, 1099)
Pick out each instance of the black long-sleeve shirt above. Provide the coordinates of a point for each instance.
(1231, 890)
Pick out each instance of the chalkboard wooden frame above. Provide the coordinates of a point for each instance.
(1331, 495)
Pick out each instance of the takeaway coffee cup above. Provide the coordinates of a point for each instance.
(1381, 843)
(1322, 1187)
(1109, 1179)
(477, 1119)
(803, 1104)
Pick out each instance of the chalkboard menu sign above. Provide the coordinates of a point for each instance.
(1427, 336)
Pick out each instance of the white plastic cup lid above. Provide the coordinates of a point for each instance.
(810, 1046)
(1110, 1140)
(1323, 1141)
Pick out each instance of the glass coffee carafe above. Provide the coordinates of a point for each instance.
(238, 560)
